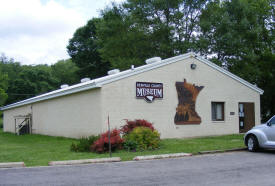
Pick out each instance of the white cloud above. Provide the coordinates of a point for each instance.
(38, 31)
(90, 7)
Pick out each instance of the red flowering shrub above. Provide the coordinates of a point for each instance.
(130, 125)
(102, 144)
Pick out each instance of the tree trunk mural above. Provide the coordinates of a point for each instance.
(187, 95)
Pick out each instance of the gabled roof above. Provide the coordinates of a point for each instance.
(97, 83)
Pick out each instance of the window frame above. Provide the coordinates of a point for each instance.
(223, 111)
(271, 120)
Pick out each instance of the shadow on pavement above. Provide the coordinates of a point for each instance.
(267, 151)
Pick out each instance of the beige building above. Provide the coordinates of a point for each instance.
(183, 96)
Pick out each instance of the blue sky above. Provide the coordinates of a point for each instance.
(37, 31)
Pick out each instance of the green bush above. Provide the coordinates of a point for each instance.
(84, 144)
(130, 145)
(142, 138)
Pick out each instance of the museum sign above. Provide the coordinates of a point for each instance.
(149, 91)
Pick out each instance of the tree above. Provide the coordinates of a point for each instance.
(3, 86)
(234, 30)
(65, 72)
(240, 33)
(267, 83)
(26, 81)
(84, 51)
(140, 29)
(119, 42)
(172, 24)
(31, 81)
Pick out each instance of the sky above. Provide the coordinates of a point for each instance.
(37, 31)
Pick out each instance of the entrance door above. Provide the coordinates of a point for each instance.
(246, 117)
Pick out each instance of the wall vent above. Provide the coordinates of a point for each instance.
(114, 71)
(85, 80)
(152, 60)
(64, 86)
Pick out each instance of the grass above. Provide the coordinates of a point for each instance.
(38, 150)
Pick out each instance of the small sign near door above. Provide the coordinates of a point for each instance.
(149, 91)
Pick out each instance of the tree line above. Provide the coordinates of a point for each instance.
(19, 82)
(235, 34)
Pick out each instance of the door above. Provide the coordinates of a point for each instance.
(246, 116)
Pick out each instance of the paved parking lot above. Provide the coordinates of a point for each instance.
(235, 168)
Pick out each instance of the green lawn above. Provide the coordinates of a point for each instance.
(37, 150)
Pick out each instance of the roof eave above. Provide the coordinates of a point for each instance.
(233, 76)
(50, 96)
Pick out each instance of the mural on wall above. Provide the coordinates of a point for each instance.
(187, 95)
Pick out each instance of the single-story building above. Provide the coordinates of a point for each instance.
(183, 96)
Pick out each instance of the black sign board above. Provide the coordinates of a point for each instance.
(149, 91)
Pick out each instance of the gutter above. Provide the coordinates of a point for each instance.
(50, 95)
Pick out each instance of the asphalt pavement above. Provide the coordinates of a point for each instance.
(234, 168)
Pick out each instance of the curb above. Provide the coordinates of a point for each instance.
(84, 161)
(161, 156)
(221, 151)
(12, 164)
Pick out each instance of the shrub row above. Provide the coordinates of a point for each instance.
(136, 135)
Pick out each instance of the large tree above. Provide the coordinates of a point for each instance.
(119, 41)
(84, 51)
(172, 24)
(65, 72)
(240, 34)
(140, 29)
(234, 30)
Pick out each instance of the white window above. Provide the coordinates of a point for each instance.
(217, 111)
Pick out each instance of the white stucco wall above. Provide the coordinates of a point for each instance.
(8, 117)
(119, 101)
(74, 115)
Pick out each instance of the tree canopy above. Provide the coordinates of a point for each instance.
(235, 34)
(84, 51)
(65, 72)
(240, 33)
(140, 29)
(18, 82)
(3, 86)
